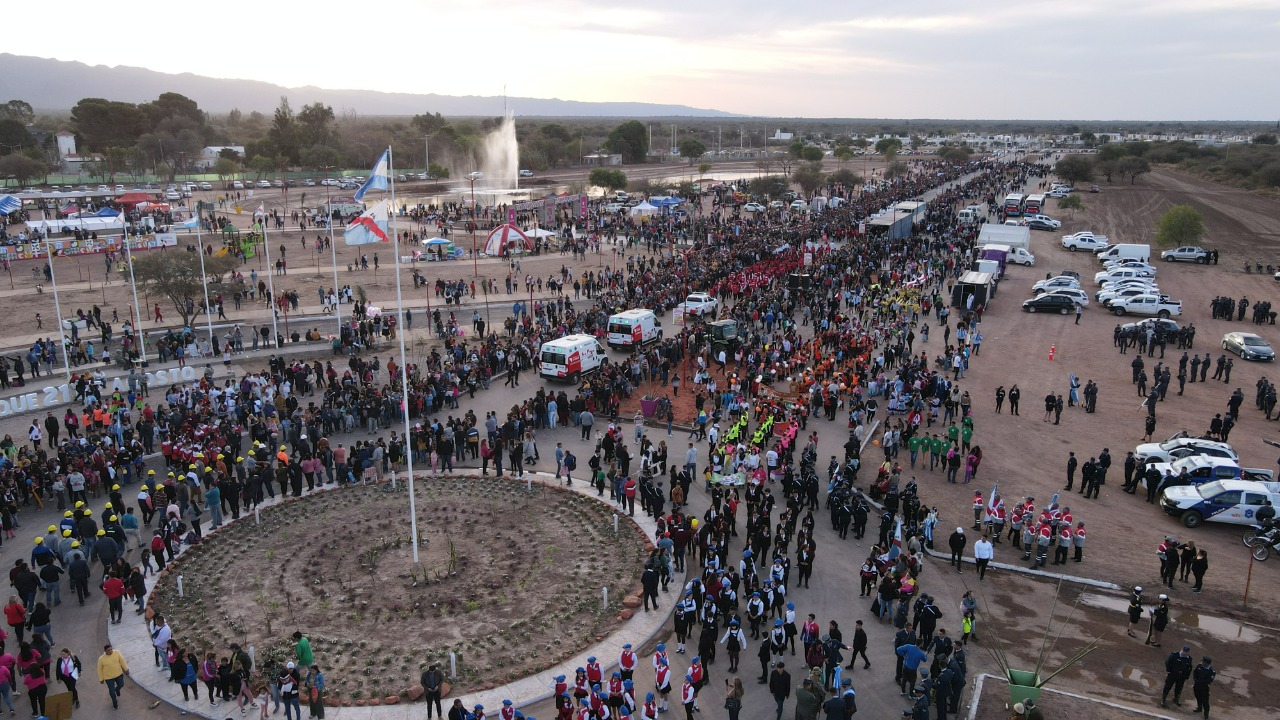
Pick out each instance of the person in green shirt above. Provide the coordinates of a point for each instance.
(913, 446)
(965, 436)
(953, 432)
(303, 649)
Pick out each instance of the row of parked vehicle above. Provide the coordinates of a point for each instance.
(1201, 480)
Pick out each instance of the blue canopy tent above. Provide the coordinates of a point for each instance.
(8, 204)
(664, 201)
(107, 212)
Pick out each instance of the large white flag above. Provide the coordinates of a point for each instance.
(370, 227)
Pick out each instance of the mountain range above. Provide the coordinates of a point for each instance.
(57, 85)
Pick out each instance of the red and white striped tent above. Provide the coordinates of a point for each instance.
(508, 238)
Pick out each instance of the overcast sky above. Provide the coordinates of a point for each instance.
(1070, 59)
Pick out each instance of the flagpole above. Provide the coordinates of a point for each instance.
(271, 286)
(333, 254)
(128, 254)
(204, 282)
(404, 367)
(57, 304)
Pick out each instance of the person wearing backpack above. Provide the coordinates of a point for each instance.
(570, 464)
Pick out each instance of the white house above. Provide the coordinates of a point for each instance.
(209, 155)
(779, 136)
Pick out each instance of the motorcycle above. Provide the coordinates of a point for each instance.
(1263, 547)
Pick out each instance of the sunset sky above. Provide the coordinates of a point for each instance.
(1084, 59)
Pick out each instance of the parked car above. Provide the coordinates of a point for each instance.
(1176, 448)
(237, 185)
(172, 195)
(1186, 253)
(526, 173)
(753, 207)
(1037, 224)
(308, 183)
(1148, 304)
(1080, 297)
(1055, 283)
(1085, 241)
(1167, 325)
(1050, 303)
(1109, 296)
(206, 186)
(264, 183)
(1058, 192)
(799, 206)
(1248, 346)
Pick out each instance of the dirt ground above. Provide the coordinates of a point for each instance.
(487, 593)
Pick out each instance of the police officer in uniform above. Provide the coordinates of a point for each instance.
(1178, 669)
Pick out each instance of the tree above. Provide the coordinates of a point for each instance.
(226, 168)
(262, 164)
(171, 106)
(105, 123)
(608, 178)
(22, 168)
(284, 133)
(812, 153)
(809, 177)
(1259, 139)
(438, 171)
(704, 168)
(1180, 225)
(692, 150)
(888, 147)
(956, 154)
(21, 112)
(427, 123)
(1131, 167)
(796, 149)
(631, 140)
(320, 156)
(1071, 202)
(1112, 151)
(1106, 168)
(229, 153)
(313, 125)
(843, 153)
(175, 276)
(916, 142)
(1073, 169)
(769, 185)
(895, 169)
(14, 136)
(846, 177)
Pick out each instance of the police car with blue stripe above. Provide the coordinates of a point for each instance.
(1225, 501)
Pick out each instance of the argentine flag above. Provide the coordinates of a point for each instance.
(370, 227)
(377, 177)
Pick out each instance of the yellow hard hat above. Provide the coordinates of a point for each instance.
(199, 455)
(66, 514)
(191, 466)
(39, 541)
(53, 528)
(112, 518)
(115, 487)
(87, 511)
(282, 447)
(208, 469)
(240, 459)
(220, 456)
(66, 533)
(107, 506)
(170, 473)
(79, 504)
(75, 543)
(144, 487)
(151, 472)
(101, 533)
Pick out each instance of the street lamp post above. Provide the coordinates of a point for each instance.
(333, 251)
(475, 254)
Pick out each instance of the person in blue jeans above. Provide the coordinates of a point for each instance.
(290, 683)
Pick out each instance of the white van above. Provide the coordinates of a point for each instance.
(1126, 251)
(633, 328)
(571, 357)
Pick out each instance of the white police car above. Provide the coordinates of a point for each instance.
(1225, 501)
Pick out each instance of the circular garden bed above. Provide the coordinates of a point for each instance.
(508, 579)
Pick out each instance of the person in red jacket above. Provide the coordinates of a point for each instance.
(114, 589)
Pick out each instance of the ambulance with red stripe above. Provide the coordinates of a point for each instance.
(633, 328)
(571, 357)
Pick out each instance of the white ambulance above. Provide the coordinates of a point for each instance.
(571, 357)
(633, 328)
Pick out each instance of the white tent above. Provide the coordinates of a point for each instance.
(540, 233)
(644, 209)
(509, 238)
(67, 225)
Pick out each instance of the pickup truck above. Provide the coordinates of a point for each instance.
(1153, 305)
(1085, 240)
(699, 304)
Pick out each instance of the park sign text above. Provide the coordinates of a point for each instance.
(56, 395)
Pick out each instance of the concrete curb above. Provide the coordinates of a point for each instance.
(132, 639)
